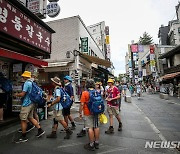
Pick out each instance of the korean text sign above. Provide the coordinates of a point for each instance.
(16, 23)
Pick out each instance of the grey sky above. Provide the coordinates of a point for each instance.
(127, 19)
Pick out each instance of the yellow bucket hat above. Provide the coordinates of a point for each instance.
(110, 80)
(26, 74)
(103, 119)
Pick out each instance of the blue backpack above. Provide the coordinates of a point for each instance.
(96, 103)
(65, 99)
(6, 85)
(36, 95)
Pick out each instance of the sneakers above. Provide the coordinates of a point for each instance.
(29, 128)
(82, 133)
(21, 139)
(68, 134)
(110, 130)
(40, 133)
(120, 127)
(52, 135)
(88, 147)
(96, 145)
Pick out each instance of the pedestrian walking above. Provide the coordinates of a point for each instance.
(131, 89)
(113, 106)
(67, 112)
(57, 112)
(138, 90)
(90, 121)
(98, 88)
(27, 109)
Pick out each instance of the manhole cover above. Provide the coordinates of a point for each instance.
(77, 119)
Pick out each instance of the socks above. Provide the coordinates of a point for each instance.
(91, 144)
(97, 142)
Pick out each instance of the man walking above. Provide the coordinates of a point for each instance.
(113, 106)
(27, 108)
(57, 112)
(67, 112)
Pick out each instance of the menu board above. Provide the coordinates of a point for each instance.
(17, 87)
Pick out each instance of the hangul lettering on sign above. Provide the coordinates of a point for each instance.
(17, 23)
(30, 30)
(47, 41)
(39, 35)
(3, 15)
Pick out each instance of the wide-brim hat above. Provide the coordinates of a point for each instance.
(110, 81)
(26, 74)
(56, 80)
(67, 77)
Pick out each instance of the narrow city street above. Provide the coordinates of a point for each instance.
(147, 119)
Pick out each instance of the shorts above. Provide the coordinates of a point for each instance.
(89, 121)
(57, 114)
(26, 112)
(66, 112)
(112, 110)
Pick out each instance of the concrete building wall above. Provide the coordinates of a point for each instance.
(176, 59)
(98, 33)
(93, 46)
(65, 39)
(174, 32)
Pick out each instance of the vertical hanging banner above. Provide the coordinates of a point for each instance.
(84, 44)
(151, 49)
(140, 48)
(107, 39)
(134, 48)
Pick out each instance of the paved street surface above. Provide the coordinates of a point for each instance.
(147, 119)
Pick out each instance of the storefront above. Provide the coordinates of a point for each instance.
(25, 41)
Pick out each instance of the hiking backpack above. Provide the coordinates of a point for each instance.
(65, 99)
(36, 95)
(96, 103)
(6, 85)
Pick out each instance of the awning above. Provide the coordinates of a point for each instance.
(96, 60)
(21, 57)
(170, 76)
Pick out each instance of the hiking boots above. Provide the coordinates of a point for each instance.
(82, 133)
(68, 134)
(96, 145)
(52, 135)
(120, 127)
(89, 147)
(110, 130)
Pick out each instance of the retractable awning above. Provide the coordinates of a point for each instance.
(170, 76)
(21, 57)
(96, 60)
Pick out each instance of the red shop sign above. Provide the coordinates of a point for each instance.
(16, 23)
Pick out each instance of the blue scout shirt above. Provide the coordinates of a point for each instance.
(27, 87)
(69, 89)
(57, 93)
